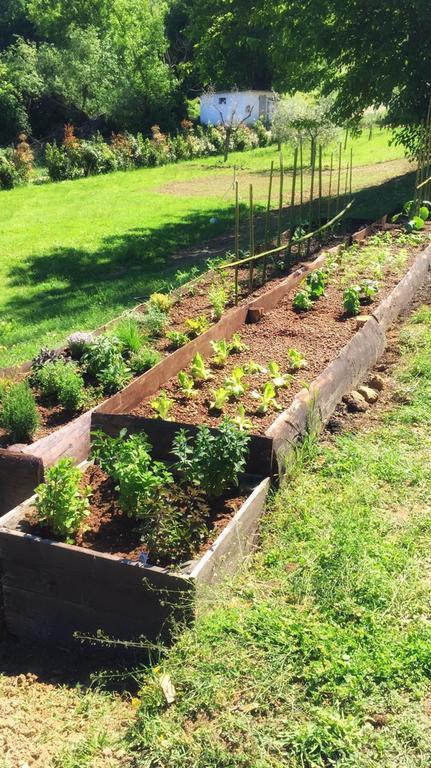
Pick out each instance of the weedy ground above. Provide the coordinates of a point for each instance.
(75, 254)
(317, 654)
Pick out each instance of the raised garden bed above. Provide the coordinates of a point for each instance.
(72, 439)
(103, 581)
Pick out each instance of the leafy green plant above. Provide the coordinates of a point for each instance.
(61, 501)
(241, 421)
(100, 353)
(162, 405)
(115, 376)
(45, 355)
(279, 379)
(210, 461)
(368, 289)
(316, 281)
(186, 385)
(296, 360)
(5, 384)
(61, 381)
(177, 339)
(140, 480)
(302, 300)
(154, 321)
(220, 397)
(128, 333)
(266, 399)
(218, 298)
(196, 326)
(221, 351)
(236, 345)
(252, 368)
(146, 358)
(234, 384)
(198, 369)
(19, 415)
(351, 300)
(162, 301)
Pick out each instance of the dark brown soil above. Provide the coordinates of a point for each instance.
(108, 529)
(318, 334)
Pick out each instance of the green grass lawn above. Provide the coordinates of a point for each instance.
(319, 653)
(75, 254)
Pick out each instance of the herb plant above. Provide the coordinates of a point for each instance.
(316, 282)
(162, 301)
(351, 300)
(100, 353)
(115, 376)
(19, 414)
(78, 342)
(162, 405)
(128, 333)
(61, 501)
(210, 461)
(196, 326)
(61, 382)
(218, 298)
(176, 339)
(154, 321)
(198, 369)
(146, 358)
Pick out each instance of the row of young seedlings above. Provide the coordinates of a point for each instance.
(313, 288)
(234, 386)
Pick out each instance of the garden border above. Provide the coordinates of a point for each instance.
(73, 439)
(52, 589)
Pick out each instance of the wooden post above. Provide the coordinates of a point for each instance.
(268, 222)
(237, 236)
(280, 200)
(251, 237)
(292, 209)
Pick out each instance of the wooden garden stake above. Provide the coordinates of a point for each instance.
(236, 238)
(330, 186)
(310, 205)
(338, 181)
(351, 169)
(280, 200)
(251, 238)
(267, 221)
(292, 209)
(319, 210)
(301, 190)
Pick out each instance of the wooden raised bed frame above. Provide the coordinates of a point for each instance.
(52, 590)
(21, 471)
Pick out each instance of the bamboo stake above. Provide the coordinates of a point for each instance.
(330, 186)
(310, 204)
(267, 220)
(292, 209)
(301, 189)
(251, 226)
(339, 180)
(237, 235)
(351, 169)
(319, 210)
(280, 200)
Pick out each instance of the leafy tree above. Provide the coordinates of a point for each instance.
(306, 118)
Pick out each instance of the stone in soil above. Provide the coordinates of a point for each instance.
(369, 394)
(376, 382)
(355, 402)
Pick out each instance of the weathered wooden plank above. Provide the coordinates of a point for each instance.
(19, 475)
(161, 434)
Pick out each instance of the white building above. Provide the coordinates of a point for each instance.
(233, 107)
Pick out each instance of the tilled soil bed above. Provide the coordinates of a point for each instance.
(108, 529)
(319, 334)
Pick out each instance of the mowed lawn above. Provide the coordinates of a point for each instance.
(75, 254)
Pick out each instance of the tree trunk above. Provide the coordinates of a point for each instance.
(226, 143)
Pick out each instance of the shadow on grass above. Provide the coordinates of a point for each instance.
(128, 267)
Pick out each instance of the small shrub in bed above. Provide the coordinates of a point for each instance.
(128, 333)
(146, 358)
(154, 321)
(115, 376)
(100, 353)
(212, 462)
(78, 342)
(174, 530)
(61, 501)
(218, 297)
(61, 381)
(19, 414)
(162, 301)
(176, 339)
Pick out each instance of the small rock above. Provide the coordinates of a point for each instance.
(376, 382)
(361, 320)
(355, 402)
(370, 395)
(334, 425)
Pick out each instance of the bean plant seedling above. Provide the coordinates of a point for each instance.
(351, 300)
(302, 300)
(316, 282)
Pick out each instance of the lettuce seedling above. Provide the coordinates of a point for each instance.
(236, 345)
(302, 300)
(234, 385)
(266, 398)
(198, 369)
(252, 367)
(241, 421)
(162, 405)
(220, 397)
(278, 379)
(196, 326)
(296, 360)
(176, 339)
(186, 385)
(221, 352)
